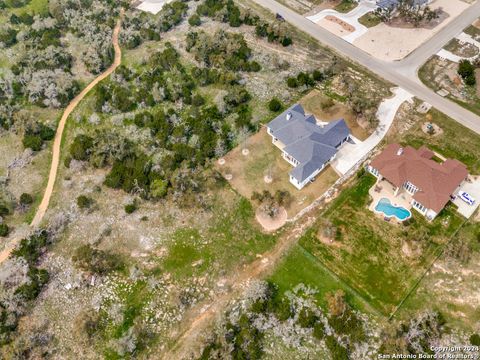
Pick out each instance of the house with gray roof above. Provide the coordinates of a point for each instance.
(305, 143)
(393, 4)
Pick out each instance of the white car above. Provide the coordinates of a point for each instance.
(466, 197)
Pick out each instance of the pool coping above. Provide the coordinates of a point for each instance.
(391, 216)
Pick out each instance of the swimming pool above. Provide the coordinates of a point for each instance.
(385, 206)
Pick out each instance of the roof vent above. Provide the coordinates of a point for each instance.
(289, 115)
(400, 151)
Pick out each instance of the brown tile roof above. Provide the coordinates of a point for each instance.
(435, 181)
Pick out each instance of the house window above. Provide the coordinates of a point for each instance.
(419, 206)
(412, 189)
(374, 171)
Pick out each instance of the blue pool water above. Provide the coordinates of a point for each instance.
(385, 206)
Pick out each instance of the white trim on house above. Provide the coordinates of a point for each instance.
(410, 189)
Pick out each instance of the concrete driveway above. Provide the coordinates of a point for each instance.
(364, 7)
(350, 154)
(472, 188)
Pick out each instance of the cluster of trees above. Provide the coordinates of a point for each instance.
(7, 205)
(36, 134)
(244, 336)
(42, 73)
(270, 203)
(228, 12)
(416, 336)
(222, 50)
(307, 79)
(466, 69)
(163, 99)
(409, 11)
(273, 34)
(22, 282)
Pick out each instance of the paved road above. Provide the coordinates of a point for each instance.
(401, 73)
(419, 56)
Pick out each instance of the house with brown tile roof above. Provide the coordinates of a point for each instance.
(429, 183)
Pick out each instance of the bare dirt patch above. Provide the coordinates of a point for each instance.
(343, 24)
(432, 129)
(269, 223)
(327, 109)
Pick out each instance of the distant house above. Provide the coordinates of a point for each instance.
(429, 183)
(306, 144)
(392, 4)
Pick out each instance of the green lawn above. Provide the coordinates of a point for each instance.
(346, 6)
(473, 31)
(367, 252)
(370, 19)
(300, 267)
(230, 239)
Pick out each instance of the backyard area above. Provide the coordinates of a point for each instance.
(379, 259)
(248, 172)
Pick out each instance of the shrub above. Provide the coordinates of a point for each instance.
(46, 133)
(84, 202)
(475, 339)
(292, 82)
(33, 142)
(337, 351)
(133, 171)
(38, 278)
(131, 208)
(30, 248)
(306, 318)
(4, 209)
(317, 75)
(286, 41)
(466, 70)
(275, 105)
(318, 330)
(470, 80)
(4, 230)
(81, 147)
(26, 199)
(194, 20)
(158, 188)
(96, 261)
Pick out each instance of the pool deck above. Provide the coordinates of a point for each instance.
(383, 189)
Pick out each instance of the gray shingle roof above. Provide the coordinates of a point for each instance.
(310, 144)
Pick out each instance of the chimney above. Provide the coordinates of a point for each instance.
(289, 115)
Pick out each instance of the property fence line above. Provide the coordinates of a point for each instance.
(427, 270)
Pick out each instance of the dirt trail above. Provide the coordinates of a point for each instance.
(42, 208)
(203, 315)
